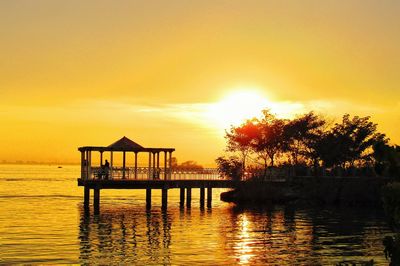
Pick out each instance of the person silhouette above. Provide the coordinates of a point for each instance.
(106, 169)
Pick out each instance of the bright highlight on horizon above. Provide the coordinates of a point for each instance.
(237, 107)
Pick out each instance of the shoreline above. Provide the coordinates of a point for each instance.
(310, 191)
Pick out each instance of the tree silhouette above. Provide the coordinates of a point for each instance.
(270, 140)
(302, 134)
(231, 167)
(240, 139)
(387, 159)
(349, 142)
(307, 141)
(187, 165)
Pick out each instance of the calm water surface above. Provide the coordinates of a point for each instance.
(42, 221)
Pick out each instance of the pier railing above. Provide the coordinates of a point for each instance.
(146, 173)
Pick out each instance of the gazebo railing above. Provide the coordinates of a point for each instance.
(194, 174)
(144, 173)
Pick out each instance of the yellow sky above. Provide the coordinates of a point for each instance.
(76, 73)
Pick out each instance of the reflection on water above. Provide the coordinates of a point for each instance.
(269, 236)
(129, 235)
(42, 221)
(115, 236)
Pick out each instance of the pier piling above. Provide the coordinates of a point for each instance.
(182, 197)
(148, 198)
(188, 197)
(202, 192)
(86, 197)
(209, 197)
(96, 200)
(164, 202)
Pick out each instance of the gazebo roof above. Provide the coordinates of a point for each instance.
(125, 144)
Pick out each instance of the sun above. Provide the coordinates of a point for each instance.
(237, 107)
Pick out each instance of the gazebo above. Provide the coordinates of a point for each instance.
(124, 146)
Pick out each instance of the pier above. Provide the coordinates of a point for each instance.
(158, 174)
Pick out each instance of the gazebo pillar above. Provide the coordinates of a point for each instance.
(170, 165)
(154, 166)
(158, 165)
(101, 158)
(136, 154)
(149, 174)
(165, 165)
(123, 164)
(89, 164)
(111, 164)
(83, 165)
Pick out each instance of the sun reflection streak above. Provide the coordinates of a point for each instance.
(242, 247)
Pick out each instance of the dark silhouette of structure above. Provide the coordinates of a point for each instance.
(154, 176)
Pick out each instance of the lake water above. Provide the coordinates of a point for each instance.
(42, 221)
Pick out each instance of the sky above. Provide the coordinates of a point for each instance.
(175, 73)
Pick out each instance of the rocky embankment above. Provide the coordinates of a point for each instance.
(310, 190)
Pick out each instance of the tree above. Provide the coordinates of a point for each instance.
(307, 139)
(387, 159)
(301, 135)
(349, 142)
(240, 139)
(188, 165)
(270, 140)
(231, 167)
(328, 149)
(174, 162)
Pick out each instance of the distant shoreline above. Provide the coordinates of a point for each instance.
(37, 163)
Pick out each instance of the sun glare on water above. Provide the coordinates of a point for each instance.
(237, 107)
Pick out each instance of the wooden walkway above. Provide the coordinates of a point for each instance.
(184, 180)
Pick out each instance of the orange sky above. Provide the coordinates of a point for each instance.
(76, 73)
